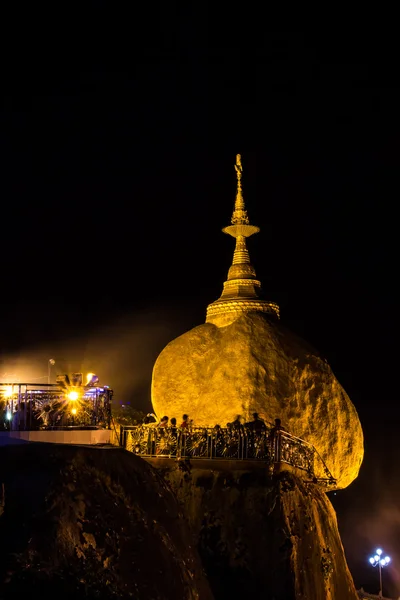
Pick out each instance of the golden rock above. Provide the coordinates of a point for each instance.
(256, 365)
(243, 361)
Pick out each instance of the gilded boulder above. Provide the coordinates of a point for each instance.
(256, 365)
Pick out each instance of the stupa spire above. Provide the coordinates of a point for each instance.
(239, 215)
(241, 291)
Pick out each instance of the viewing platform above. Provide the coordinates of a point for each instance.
(68, 412)
(244, 449)
(71, 435)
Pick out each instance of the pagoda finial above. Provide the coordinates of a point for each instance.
(241, 293)
(239, 216)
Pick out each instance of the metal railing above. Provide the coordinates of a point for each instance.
(32, 406)
(219, 443)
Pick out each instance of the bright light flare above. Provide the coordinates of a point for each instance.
(379, 560)
(73, 411)
(73, 396)
(8, 391)
(8, 415)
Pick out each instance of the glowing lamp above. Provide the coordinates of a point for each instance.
(73, 411)
(8, 415)
(378, 561)
(73, 396)
(8, 391)
(91, 379)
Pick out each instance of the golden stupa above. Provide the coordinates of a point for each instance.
(241, 293)
(242, 360)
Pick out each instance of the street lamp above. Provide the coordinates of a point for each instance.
(380, 562)
(50, 364)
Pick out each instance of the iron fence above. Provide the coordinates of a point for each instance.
(219, 443)
(30, 406)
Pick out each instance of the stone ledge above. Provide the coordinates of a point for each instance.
(86, 437)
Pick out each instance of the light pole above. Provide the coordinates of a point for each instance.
(380, 562)
(50, 364)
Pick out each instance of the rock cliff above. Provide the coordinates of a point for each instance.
(263, 537)
(92, 523)
(256, 365)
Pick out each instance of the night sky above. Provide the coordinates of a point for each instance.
(118, 175)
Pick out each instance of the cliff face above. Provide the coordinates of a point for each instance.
(102, 523)
(260, 536)
(92, 523)
(255, 365)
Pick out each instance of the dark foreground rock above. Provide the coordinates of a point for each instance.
(261, 536)
(91, 523)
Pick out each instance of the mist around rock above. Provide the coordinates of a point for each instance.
(121, 351)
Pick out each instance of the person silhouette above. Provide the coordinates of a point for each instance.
(277, 427)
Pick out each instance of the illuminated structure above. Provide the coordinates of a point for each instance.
(68, 403)
(379, 561)
(241, 292)
(243, 361)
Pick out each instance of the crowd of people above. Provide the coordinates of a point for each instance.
(257, 425)
(253, 439)
(166, 422)
(31, 416)
(21, 418)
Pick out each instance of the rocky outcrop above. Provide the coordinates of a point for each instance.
(92, 523)
(263, 537)
(256, 365)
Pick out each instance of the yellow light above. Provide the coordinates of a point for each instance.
(89, 377)
(73, 396)
(8, 391)
(73, 411)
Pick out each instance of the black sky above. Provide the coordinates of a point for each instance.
(117, 176)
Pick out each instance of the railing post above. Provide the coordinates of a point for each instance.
(278, 447)
(313, 462)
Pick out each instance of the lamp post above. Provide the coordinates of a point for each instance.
(50, 364)
(380, 562)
